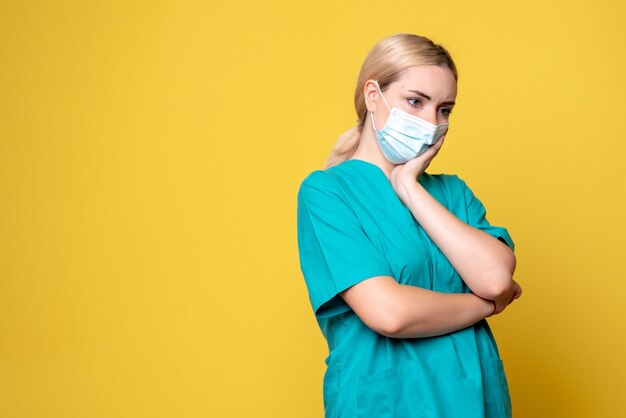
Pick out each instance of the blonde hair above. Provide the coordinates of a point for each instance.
(385, 62)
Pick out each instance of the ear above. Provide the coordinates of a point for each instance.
(371, 95)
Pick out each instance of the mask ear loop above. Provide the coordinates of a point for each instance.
(386, 104)
(381, 95)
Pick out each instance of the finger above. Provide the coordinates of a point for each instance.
(432, 150)
(439, 142)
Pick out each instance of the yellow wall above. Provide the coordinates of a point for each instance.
(150, 154)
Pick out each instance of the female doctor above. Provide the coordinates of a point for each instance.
(401, 266)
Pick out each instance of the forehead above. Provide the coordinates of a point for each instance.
(433, 80)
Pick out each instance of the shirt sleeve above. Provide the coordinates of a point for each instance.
(335, 252)
(477, 215)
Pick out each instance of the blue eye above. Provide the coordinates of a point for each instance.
(446, 111)
(414, 102)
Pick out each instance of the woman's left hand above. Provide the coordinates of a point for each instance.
(517, 292)
(410, 172)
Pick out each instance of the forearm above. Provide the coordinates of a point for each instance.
(425, 313)
(484, 263)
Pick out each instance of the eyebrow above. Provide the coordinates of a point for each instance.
(419, 93)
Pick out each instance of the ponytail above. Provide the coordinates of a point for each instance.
(345, 147)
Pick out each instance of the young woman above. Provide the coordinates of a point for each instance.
(402, 267)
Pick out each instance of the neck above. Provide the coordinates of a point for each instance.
(368, 149)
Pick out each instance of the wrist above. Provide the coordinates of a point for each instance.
(488, 306)
(413, 192)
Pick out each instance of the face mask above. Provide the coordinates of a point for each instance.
(405, 136)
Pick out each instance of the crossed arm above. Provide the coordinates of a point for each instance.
(484, 263)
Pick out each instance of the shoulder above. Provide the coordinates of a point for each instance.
(324, 181)
(449, 182)
(315, 180)
(320, 188)
(449, 189)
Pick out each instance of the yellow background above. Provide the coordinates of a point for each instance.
(150, 155)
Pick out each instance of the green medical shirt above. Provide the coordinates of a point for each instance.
(352, 226)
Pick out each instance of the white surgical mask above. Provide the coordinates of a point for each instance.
(405, 136)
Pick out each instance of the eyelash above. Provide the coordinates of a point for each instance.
(412, 99)
(420, 102)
